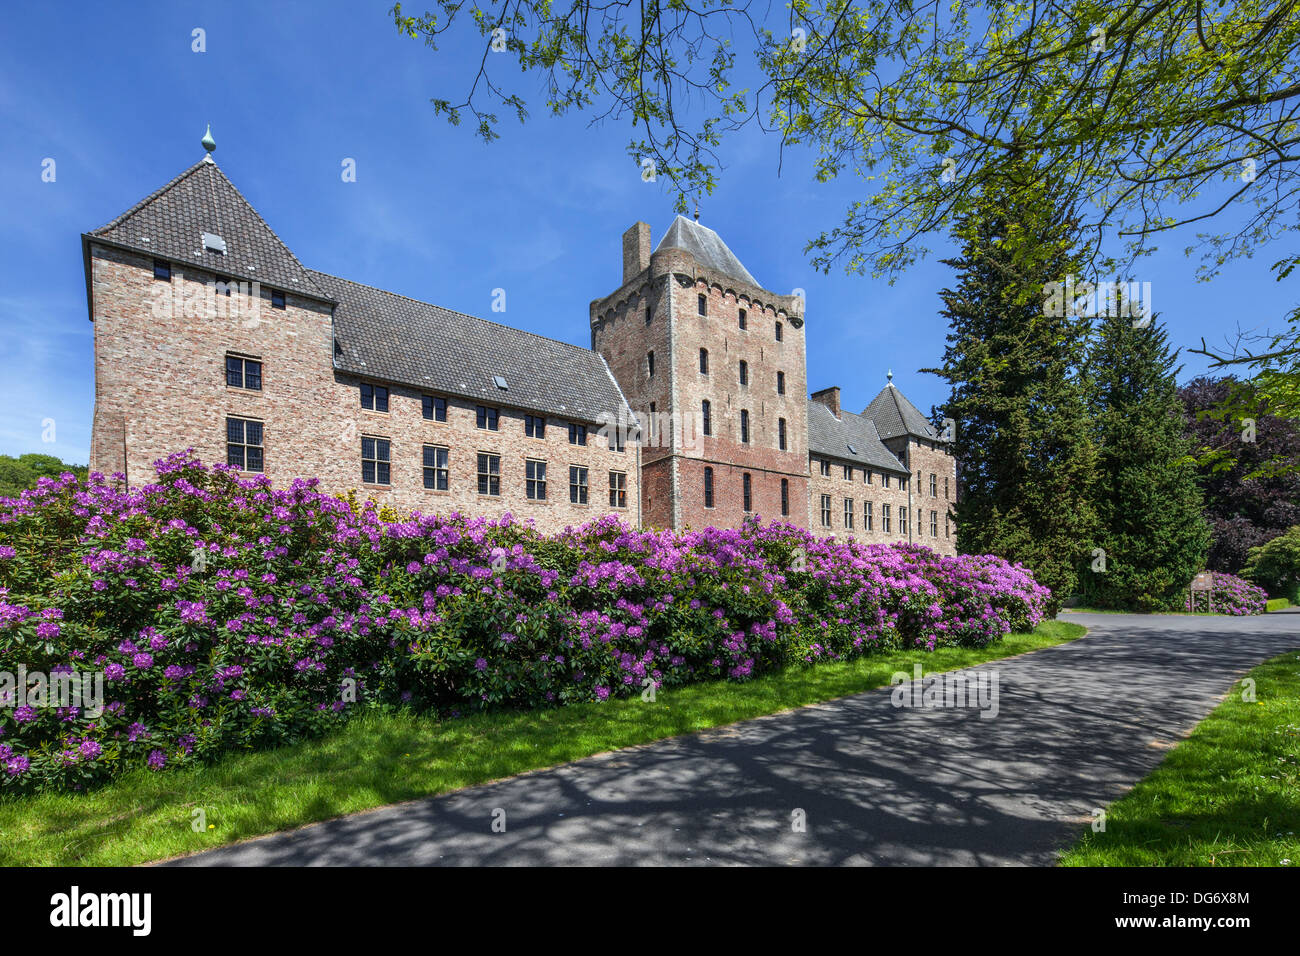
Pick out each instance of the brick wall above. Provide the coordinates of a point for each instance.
(860, 490)
(668, 290)
(160, 385)
(925, 458)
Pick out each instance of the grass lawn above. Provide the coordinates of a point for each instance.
(1278, 604)
(1229, 795)
(379, 759)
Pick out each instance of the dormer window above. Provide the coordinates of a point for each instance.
(214, 243)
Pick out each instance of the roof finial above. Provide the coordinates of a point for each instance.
(890, 376)
(697, 209)
(208, 142)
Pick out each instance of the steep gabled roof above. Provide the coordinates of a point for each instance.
(170, 224)
(707, 247)
(389, 337)
(894, 415)
(849, 438)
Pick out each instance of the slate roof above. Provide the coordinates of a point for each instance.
(707, 247)
(380, 335)
(390, 337)
(170, 222)
(894, 415)
(848, 438)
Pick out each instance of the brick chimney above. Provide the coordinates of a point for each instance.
(636, 251)
(830, 397)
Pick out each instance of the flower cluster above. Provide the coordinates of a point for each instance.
(1229, 595)
(224, 614)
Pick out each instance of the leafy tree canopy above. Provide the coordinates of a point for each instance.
(21, 473)
(1147, 115)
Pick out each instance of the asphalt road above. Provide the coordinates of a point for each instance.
(1076, 726)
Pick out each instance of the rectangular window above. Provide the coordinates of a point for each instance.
(577, 434)
(534, 426)
(277, 299)
(848, 513)
(868, 476)
(243, 373)
(708, 487)
(436, 472)
(374, 397)
(747, 486)
(867, 517)
(244, 444)
(884, 518)
(489, 474)
(743, 317)
(577, 484)
(433, 408)
(617, 437)
(702, 304)
(704, 361)
(780, 383)
(780, 434)
(162, 270)
(744, 372)
(934, 485)
(826, 511)
(617, 489)
(934, 524)
(785, 496)
(780, 332)
(902, 519)
(884, 479)
(488, 418)
(825, 466)
(707, 409)
(744, 426)
(376, 462)
(535, 479)
(650, 362)
(848, 472)
(945, 488)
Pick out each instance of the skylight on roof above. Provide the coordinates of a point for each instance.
(500, 382)
(214, 243)
(852, 450)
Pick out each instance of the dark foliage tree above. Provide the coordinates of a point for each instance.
(1249, 470)
(1023, 442)
(1151, 528)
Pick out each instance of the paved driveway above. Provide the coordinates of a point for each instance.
(1077, 724)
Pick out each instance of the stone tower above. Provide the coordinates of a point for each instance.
(714, 366)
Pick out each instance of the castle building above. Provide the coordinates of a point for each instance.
(688, 410)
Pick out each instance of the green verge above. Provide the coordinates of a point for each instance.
(384, 758)
(1229, 795)
(1277, 604)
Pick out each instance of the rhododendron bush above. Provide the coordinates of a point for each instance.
(222, 614)
(1229, 595)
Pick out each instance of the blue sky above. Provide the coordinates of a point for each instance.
(115, 95)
